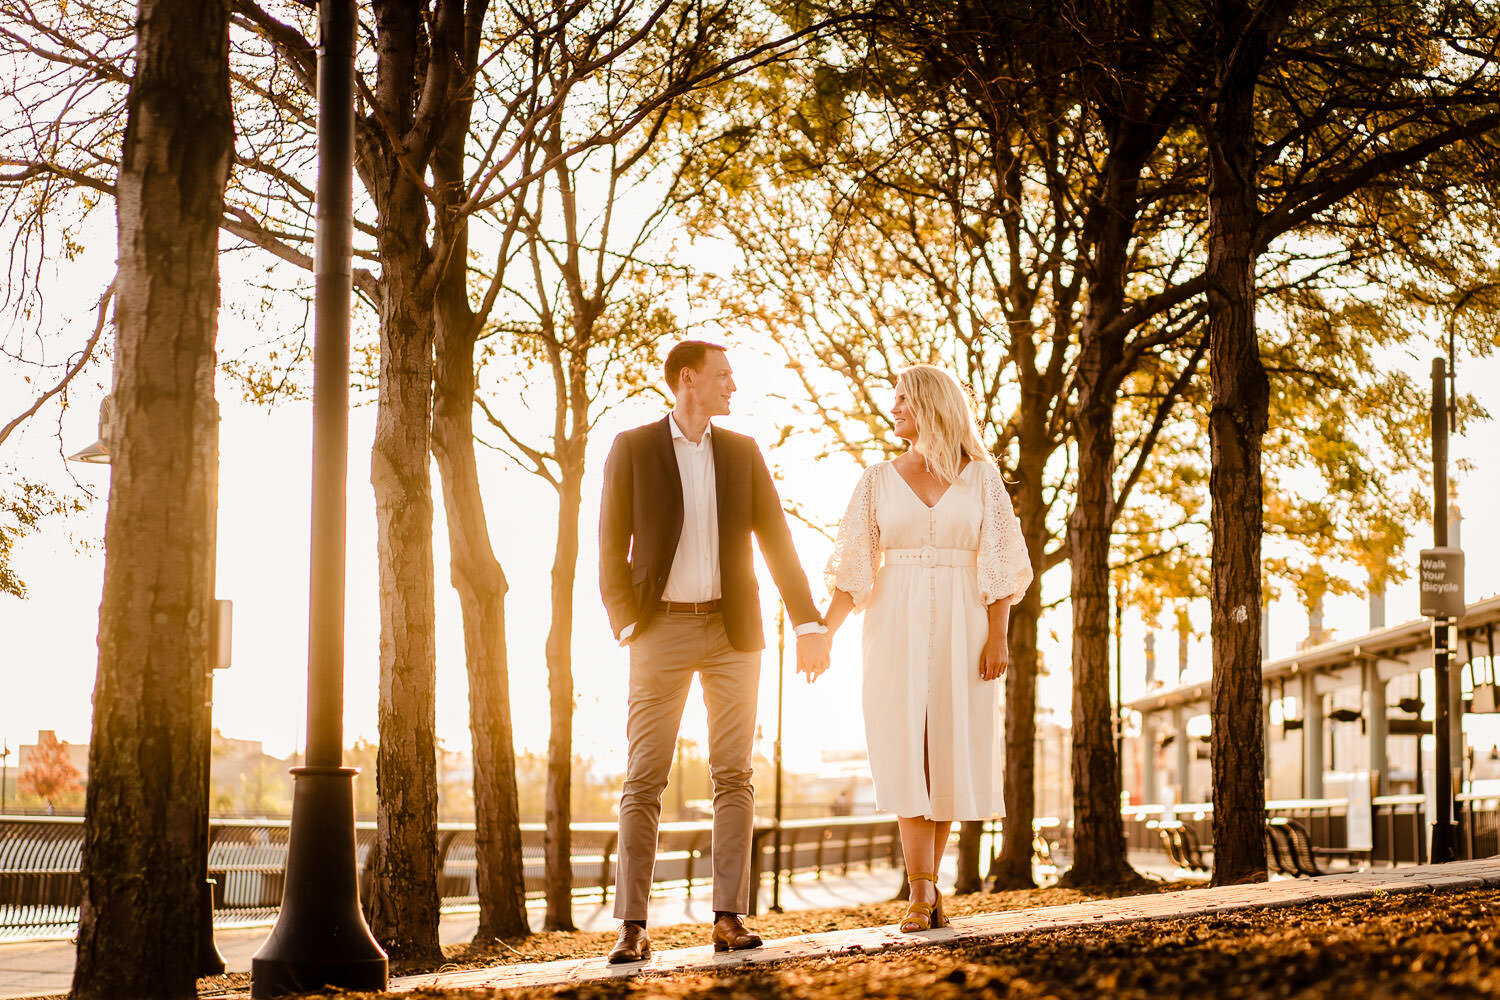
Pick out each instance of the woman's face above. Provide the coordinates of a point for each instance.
(905, 421)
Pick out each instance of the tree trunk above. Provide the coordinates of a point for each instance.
(500, 876)
(970, 833)
(404, 911)
(404, 907)
(1012, 869)
(404, 914)
(559, 807)
(477, 576)
(146, 816)
(1099, 833)
(1237, 420)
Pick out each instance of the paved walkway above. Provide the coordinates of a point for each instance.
(1159, 906)
(41, 968)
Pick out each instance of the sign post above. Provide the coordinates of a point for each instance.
(1441, 574)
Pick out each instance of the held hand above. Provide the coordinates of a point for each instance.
(994, 659)
(812, 654)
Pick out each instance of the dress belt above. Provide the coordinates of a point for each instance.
(690, 607)
(929, 555)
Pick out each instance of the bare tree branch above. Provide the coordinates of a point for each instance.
(75, 366)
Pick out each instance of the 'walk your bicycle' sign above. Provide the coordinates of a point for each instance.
(1441, 574)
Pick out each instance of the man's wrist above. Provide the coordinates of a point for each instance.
(815, 627)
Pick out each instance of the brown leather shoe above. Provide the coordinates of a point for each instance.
(731, 934)
(633, 945)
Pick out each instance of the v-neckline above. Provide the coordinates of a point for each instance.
(918, 497)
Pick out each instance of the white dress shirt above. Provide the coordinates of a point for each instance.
(695, 567)
(694, 576)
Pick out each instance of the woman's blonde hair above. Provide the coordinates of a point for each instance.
(947, 431)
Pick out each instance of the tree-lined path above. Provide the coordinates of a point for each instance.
(1182, 254)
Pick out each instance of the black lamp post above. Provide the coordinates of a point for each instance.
(1444, 830)
(780, 684)
(321, 939)
(1119, 678)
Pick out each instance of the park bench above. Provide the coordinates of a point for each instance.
(1279, 858)
(1041, 852)
(1183, 846)
(1049, 836)
(1169, 844)
(1289, 848)
(1301, 856)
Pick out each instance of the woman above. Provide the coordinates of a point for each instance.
(931, 549)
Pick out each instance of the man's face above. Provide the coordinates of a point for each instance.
(710, 386)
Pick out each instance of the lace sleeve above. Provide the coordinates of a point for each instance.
(1004, 565)
(856, 553)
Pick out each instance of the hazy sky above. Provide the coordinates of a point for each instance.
(47, 643)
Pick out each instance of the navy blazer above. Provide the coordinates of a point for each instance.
(640, 522)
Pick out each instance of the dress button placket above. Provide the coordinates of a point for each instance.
(932, 574)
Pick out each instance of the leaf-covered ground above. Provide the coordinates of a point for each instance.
(1428, 945)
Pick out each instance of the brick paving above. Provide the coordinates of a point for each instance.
(871, 940)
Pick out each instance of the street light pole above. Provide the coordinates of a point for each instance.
(780, 683)
(1444, 831)
(321, 939)
(1119, 713)
(210, 960)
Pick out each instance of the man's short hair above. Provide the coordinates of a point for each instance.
(688, 354)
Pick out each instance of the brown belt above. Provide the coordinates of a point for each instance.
(689, 607)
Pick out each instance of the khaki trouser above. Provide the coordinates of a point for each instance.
(663, 660)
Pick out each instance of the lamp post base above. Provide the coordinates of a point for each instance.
(320, 939)
(210, 962)
(1445, 843)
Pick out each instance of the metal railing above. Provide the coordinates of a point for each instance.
(1480, 824)
(40, 884)
(1399, 829)
(817, 844)
(1398, 824)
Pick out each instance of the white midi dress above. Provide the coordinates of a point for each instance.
(924, 576)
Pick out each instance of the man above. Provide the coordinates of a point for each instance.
(681, 500)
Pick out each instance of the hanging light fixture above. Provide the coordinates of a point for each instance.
(98, 452)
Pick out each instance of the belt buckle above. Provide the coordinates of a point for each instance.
(927, 555)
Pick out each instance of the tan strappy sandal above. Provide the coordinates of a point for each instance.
(923, 916)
